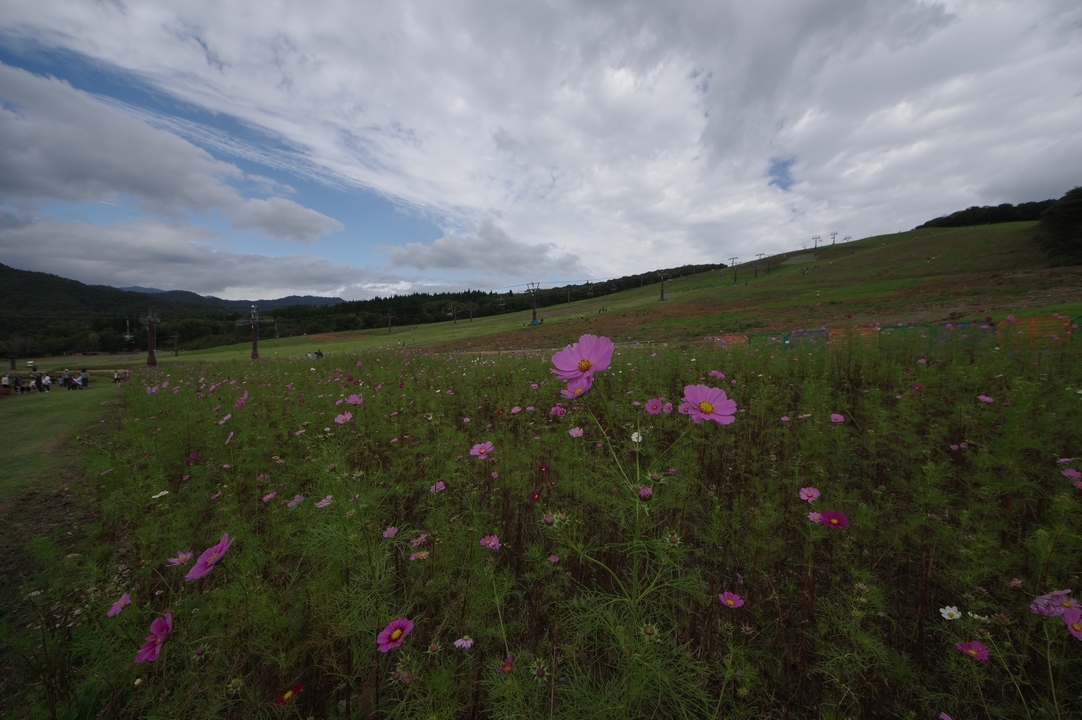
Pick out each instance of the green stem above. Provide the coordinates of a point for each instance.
(1051, 679)
(499, 612)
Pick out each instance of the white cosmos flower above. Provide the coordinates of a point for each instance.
(636, 437)
(163, 493)
(950, 612)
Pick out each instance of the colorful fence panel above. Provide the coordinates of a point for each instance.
(848, 338)
(1044, 332)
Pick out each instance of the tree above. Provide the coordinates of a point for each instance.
(1060, 230)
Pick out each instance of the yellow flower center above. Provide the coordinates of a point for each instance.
(972, 651)
(705, 408)
(212, 557)
(289, 694)
(578, 391)
(729, 602)
(1066, 603)
(1077, 627)
(396, 634)
(584, 365)
(833, 521)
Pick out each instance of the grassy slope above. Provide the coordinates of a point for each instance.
(37, 428)
(987, 270)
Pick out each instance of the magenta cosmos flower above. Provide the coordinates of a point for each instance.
(393, 635)
(182, 558)
(491, 542)
(209, 558)
(653, 406)
(836, 418)
(834, 519)
(119, 605)
(731, 600)
(159, 631)
(985, 399)
(809, 494)
(973, 649)
(1073, 619)
(1053, 604)
(707, 403)
(1071, 474)
(578, 386)
(589, 355)
(481, 450)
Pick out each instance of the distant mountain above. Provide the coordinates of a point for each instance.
(183, 296)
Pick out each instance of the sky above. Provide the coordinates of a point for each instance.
(256, 149)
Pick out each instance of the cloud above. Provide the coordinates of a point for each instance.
(58, 143)
(490, 249)
(620, 137)
(170, 256)
(285, 220)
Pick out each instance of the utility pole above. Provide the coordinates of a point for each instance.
(534, 287)
(758, 259)
(847, 238)
(389, 315)
(732, 261)
(472, 308)
(176, 344)
(451, 314)
(253, 319)
(815, 242)
(832, 236)
(663, 275)
(149, 321)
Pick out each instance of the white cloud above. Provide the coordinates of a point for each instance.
(620, 137)
(57, 143)
(169, 256)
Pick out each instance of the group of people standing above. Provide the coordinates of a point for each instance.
(42, 382)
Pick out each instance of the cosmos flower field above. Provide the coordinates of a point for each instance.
(605, 531)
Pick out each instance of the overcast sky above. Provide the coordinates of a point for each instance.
(253, 149)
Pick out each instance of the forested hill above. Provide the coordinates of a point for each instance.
(989, 214)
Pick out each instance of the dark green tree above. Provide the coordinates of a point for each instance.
(1060, 230)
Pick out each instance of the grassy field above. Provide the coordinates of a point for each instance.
(37, 428)
(920, 276)
(865, 534)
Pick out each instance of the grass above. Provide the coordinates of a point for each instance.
(605, 602)
(37, 427)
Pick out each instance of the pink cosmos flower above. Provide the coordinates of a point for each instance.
(225, 419)
(1064, 461)
(653, 406)
(707, 403)
(325, 502)
(354, 400)
(481, 450)
(191, 458)
(1053, 604)
(440, 486)
(785, 418)
(666, 408)
(645, 493)
(554, 559)
(836, 418)
(589, 355)
(297, 500)
(208, 559)
(1073, 619)
(557, 411)
(344, 418)
(182, 558)
(464, 643)
(718, 374)
(119, 605)
(393, 635)
(973, 649)
(390, 531)
(508, 663)
(815, 517)
(731, 600)
(1071, 474)
(578, 386)
(809, 494)
(491, 542)
(159, 631)
(575, 432)
(834, 519)
(516, 410)
(419, 540)
(985, 399)
(269, 496)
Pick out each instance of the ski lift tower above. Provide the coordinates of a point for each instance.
(664, 276)
(150, 320)
(254, 319)
(732, 261)
(534, 287)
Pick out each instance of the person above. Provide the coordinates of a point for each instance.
(116, 376)
(319, 354)
(5, 385)
(47, 381)
(84, 379)
(38, 382)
